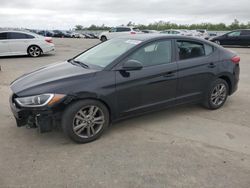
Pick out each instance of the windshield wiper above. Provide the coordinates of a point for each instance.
(79, 63)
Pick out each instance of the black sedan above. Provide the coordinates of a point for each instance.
(237, 38)
(124, 77)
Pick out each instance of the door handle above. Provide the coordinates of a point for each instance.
(169, 74)
(211, 65)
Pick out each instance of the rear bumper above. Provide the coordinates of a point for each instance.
(236, 79)
(49, 49)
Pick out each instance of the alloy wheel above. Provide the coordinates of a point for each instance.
(219, 94)
(34, 51)
(88, 121)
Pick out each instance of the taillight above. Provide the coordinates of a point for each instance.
(49, 40)
(132, 32)
(235, 59)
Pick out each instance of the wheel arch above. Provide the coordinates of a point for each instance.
(92, 97)
(227, 78)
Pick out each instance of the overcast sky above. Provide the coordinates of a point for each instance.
(65, 14)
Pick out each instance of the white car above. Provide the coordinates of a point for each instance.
(204, 33)
(24, 43)
(117, 32)
(173, 32)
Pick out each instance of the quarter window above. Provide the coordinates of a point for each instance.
(154, 54)
(208, 49)
(188, 49)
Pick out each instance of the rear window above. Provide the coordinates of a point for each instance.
(122, 29)
(3, 36)
(192, 49)
(188, 50)
(15, 35)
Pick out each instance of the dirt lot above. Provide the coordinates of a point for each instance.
(186, 146)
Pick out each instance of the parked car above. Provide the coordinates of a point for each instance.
(237, 37)
(124, 77)
(93, 35)
(203, 33)
(46, 33)
(61, 34)
(117, 32)
(75, 35)
(24, 43)
(149, 31)
(173, 32)
(71, 34)
(88, 36)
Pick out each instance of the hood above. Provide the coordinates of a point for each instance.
(216, 37)
(49, 74)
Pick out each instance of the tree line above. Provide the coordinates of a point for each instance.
(163, 25)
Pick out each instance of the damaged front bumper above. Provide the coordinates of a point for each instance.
(45, 118)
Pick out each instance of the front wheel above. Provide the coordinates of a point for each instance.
(217, 94)
(84, 121)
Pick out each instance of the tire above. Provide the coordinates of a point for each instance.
(34, 51)
(217, 42)
(79, 125)
(217, 94)
(103, 38)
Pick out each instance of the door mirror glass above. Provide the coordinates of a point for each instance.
(132, 65)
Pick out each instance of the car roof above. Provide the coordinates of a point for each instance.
(145, 37)
(16, 31)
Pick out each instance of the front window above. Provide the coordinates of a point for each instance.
(155, 53)
(105, 53)
(234, 34)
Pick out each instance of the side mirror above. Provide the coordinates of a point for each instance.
(131, 65)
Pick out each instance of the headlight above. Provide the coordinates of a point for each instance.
(39, 100)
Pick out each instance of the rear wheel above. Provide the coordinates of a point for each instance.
(34, 51)
(103, 38)
(217, 94)
(85, 121)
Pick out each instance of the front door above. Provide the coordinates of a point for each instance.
(152, 86)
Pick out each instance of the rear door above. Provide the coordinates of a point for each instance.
(197, 67)
(19, 42)
(245, 37)
(4, 44)
(233, 38)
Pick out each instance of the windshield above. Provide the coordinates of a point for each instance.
(106, 52)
